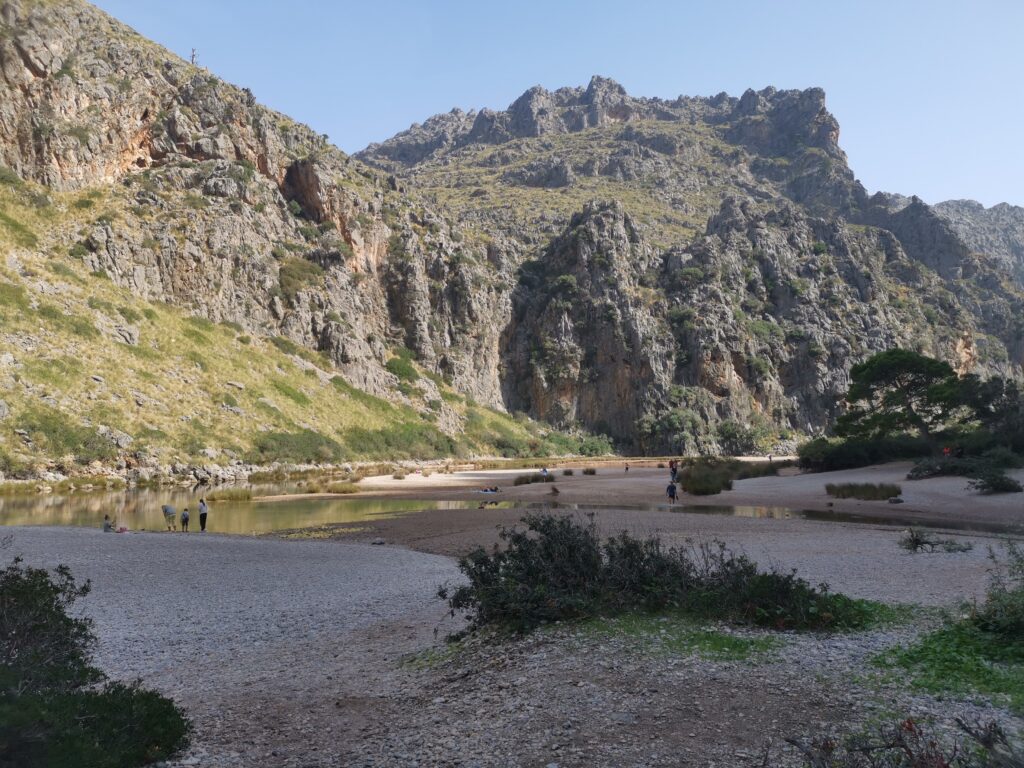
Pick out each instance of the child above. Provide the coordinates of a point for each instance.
(184, 520)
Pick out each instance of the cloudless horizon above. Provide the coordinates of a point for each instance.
(928, 94)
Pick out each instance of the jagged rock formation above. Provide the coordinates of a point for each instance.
(734, 272)
(997, 232)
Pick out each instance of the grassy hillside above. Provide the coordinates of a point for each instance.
(89, 372)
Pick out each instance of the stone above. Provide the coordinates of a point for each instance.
(5, 410)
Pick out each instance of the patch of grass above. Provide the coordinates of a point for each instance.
(402, 367)
(673, 634)
(62, 320)
(60, 437)
(863, 491)
(295, 395)
(230, 494)
(963, 660)
(13, 296)
(304, 446)
(21, 234)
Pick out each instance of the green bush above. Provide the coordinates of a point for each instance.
(827, 455)
(402, 367)
(993, 482)
(706, 477)
(296, 274)
(945, 466)
(558, 569)
(535, 477)
(1003, 609)
(56, 709)
(567, 472)
(589, 471)
(863, 491)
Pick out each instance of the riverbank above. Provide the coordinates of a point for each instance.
(938, 501)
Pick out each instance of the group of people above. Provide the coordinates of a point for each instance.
(171, 517)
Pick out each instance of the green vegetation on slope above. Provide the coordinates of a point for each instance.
(188, 384)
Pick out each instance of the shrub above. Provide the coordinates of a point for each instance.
(992, 482)
(536, 477)
(341, 488)
(567, 472)
(863, 491)
(402, 367)
(595, 445)
(944, 466)
(825, 455)
(399, 475)
(749, 469)
(1003, 609)
(910, 745)
(558, 569)
(916, 540)
(297, 273)
(589, 471)
(706, 477)
(704, 485)
(56, 709)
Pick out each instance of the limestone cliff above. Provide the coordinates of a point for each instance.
(714, 297)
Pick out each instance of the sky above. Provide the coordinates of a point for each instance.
(929, 94)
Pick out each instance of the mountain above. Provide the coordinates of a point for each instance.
(195, 275)
(997, 231)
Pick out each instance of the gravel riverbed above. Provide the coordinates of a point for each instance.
(330, 653)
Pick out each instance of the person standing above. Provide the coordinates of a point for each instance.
(169, 516)
(203, 509)
(184, 520)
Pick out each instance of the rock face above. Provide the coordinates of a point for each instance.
(997, 231)
(733, 273)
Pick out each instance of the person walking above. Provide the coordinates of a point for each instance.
(203, 509)
(670, 491)
(184, 520)
(170, 514)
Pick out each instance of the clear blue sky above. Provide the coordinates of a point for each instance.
(929, 93)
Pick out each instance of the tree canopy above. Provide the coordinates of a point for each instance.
(899, 391)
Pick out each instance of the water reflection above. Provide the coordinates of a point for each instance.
(140, 510)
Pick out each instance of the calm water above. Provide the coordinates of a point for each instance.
(140, 510)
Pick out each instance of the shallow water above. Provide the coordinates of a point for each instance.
(141, 510)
